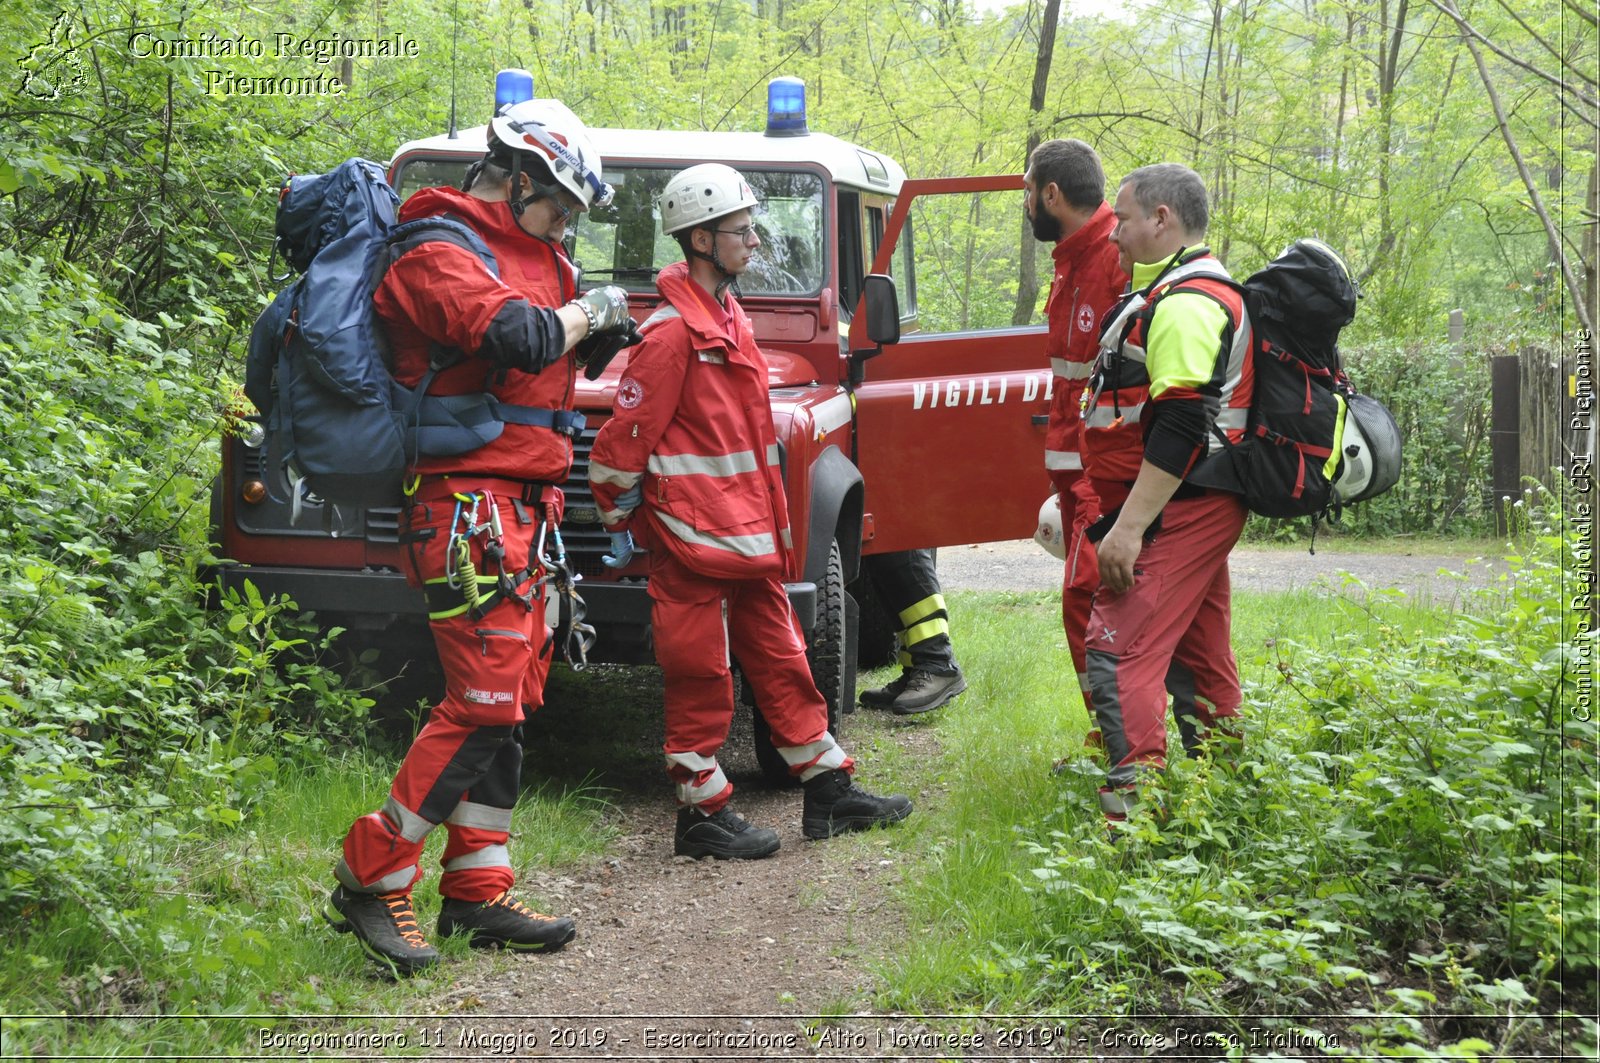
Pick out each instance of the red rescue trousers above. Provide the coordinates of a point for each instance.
(1171, 628)
(1079, 509)
(700, 625)
(464, 768)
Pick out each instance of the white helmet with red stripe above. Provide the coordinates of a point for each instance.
(549, 131)
(1049, 534)
(703, 194)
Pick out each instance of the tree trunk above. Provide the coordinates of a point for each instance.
(1028, 270)
(1583, 303)
(1591, 239)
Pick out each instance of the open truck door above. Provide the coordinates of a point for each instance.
(950, 418)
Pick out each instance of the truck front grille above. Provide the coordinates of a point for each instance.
(581, 531)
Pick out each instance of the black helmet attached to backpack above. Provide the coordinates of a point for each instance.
(1312, 442)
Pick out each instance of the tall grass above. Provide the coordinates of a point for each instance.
(1395, 835)
(240, 932)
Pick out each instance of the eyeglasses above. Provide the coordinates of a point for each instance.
(746, 233)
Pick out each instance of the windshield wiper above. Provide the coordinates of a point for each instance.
(644, 272)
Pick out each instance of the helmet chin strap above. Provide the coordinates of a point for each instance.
(729, 280)
(539, 191)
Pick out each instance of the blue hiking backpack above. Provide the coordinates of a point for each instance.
(338, 423)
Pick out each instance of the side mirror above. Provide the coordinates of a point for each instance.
(882, 309)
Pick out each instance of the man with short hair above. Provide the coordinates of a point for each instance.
(689, 461)
(472, 522)
(1173, 365)
(1065, 200)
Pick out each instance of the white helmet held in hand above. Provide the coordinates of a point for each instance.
(551, 133)
(1050, 534)
(702, 194)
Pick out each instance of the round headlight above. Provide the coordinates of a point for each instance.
(253, 434)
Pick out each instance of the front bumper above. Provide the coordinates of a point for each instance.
(375, 598)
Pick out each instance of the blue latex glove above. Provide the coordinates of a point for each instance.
(621, 550)
(629, 500)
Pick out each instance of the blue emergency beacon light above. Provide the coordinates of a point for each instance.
(786, 108)
(512, 85)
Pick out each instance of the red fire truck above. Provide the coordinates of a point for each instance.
(917, 438)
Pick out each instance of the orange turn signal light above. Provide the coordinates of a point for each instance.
(254, 492)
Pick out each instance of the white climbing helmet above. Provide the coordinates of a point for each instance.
(551, 133)
(1049, 534)
(1370, 448)
(701, 194)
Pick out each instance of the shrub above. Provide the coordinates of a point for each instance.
(1421, 816)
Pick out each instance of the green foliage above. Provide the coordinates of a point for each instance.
(1425, 815)
(132, 722)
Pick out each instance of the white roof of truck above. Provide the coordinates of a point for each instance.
(845, 163)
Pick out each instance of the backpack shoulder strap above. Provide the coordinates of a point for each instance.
(440, 228)
(445, 228)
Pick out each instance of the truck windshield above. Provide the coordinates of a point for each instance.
(622, 244)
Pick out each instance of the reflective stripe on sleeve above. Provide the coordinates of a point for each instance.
(1069, 460)
(605, 474)
(1071, 370)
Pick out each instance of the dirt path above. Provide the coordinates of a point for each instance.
(1023, 566)
(683, 960)
(680, 959)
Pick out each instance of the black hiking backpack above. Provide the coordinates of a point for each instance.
(1312, 443)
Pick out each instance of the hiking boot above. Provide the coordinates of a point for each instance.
(883, 697)
(384, 925)
(504, 923)
(724, 834)
(926, 690)
(834, 805)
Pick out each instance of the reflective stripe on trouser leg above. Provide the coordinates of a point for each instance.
(381, 850)
(492, 676)
(689, 618)
(772, 653)
(905, 581)
(700, 781)
(477, 866)
(925, 634)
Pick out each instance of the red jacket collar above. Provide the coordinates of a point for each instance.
(1097, 230)
(492, 220)
(709, 324)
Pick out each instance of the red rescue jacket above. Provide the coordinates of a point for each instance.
(439, 293)
(1114, 425)
(1088, 281)
(691, 424)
